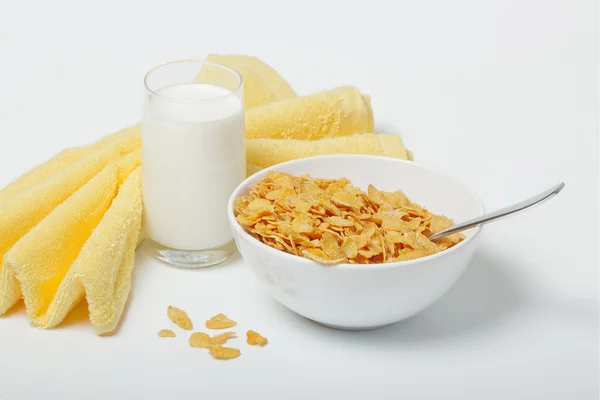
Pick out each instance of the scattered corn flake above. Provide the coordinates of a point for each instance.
(222, 337)
(201, 340)
(256, 339)
(330, 221)
(179, 317)
(224, 353)
(166, 333)
(219, 321)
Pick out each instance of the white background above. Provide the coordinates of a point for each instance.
(501, 94)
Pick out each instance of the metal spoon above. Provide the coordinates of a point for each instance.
(493, 216)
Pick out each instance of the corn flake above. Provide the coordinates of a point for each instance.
(201, 340)
(179, 317)
(219, 321)
(166, 333)
(256, 339)
(222, 337)
(224, 353)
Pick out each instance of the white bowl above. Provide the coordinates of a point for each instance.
(353, 296)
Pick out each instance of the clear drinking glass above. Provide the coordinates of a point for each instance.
(193, 157)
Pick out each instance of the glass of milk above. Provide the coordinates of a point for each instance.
(193, 157)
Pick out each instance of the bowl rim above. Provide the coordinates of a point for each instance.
(396, 264)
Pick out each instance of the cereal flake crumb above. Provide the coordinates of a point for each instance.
(224, 353)
(201, 340)
(222, 338)
(219, 321)
(256, 339)
(166, 333)
(179, 317)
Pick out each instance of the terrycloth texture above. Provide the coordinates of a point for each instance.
(262, 84)
(338, 112)
(62, 160)
(262, 153)
(105, 263)
(42, 172)
(24, 209)
(86, 247)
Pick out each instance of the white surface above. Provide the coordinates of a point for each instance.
(193, 153)
(356, 296)
(500, 94)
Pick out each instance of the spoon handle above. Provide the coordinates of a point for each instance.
(503, 212)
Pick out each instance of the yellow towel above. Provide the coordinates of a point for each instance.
(21, 211)
(42, 258)
(262, 153)
(62, 160)
(262, 84)
(343, 111)
(338, 112)
(105, 263)
(41, 172)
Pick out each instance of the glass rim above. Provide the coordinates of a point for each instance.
(203, 62)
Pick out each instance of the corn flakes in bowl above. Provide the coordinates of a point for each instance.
(343, 239)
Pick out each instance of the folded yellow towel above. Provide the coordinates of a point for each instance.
(21, 211)
(105, 262)
(262, 84)
(60, 161)
(262, 153)
(343, 111)
(338, 112)
(42, 258)
(41, 172)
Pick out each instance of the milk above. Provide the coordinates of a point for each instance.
(193, 157)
